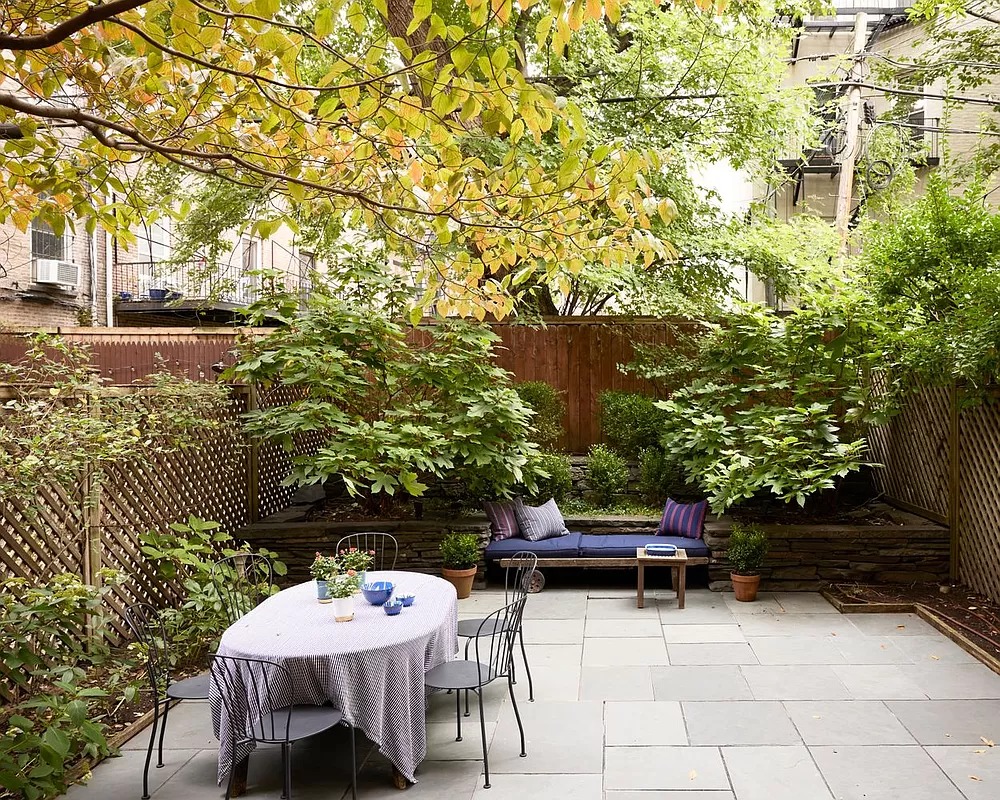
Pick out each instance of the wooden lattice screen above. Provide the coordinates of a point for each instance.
(211, 478)
(913, 450)
(979, 498)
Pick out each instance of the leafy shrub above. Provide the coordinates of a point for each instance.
(187, 555)
(390, 412)
(630, 421)
(747, 549)
(554, 478)
(607, 473)
(549, 408)
(772, 408)
(46, 651)
(460, 550)
(661, 475)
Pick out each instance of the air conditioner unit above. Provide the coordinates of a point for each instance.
(49, 270)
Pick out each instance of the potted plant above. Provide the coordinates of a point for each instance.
(746, 552)
(323, 569)
(356, 562)
(342, 589)
(460, 557)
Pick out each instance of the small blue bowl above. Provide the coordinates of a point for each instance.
(393, 607)
(377, 593)
(407, 599)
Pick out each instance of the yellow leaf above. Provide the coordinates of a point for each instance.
(613, 9)
(975, 778)
(594, 10)
(692, 774)
(349, 96)
(987, 742)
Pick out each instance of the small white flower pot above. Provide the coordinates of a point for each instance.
(343, 608)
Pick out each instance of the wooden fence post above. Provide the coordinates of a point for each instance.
(93, 550)
(954, 485)
(253, 479)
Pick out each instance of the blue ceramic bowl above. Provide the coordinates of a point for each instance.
(407, 599)
(393, 607)
(377, 593)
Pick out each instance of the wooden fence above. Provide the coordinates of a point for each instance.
(578, 356)
(944, 462)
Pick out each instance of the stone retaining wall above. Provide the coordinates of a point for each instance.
(802, 557)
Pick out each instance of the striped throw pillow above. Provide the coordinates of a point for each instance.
(503, 523)
(683, 519)
(539, 522)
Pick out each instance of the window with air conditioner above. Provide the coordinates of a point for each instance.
(52, 256)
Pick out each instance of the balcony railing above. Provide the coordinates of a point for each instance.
(195, 281)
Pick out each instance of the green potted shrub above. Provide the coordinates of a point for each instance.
(747, 549)
(460, 559)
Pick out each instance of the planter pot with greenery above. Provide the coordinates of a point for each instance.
(746, 552)
(459, 557)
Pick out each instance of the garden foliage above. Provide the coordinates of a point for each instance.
(390, 407)
(549, 409)
(460, 550)
(607, 473)
(775, 404)
(553, 479)
(747, 549)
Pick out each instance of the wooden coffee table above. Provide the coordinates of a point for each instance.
(678, 563)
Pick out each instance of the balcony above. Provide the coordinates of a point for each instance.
(190, 291)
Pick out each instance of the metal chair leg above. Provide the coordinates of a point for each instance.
(163, 728)
(354, 766)
(482, 731)
(458, 713)
(517, 715)
(527, 669)
(286, 762)
(149, 749)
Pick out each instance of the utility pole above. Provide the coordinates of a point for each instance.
(845, 192)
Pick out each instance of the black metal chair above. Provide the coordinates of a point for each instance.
(147, 626)
(243, 581)
(383, 544)
(255, 695)
(517, 580)
(494, 649)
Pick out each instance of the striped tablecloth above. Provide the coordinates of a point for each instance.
(371, 668)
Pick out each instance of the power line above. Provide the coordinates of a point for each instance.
(956, 98)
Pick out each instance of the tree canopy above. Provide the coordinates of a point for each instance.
(494, 144)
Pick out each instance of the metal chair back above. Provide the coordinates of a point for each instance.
(495, 640)
(251, 691)
(384, 544)
(149, 631)
(517, 577)
(243, 581)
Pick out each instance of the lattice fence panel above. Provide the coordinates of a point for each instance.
(274, 463)
(208, 479)
(914, 452)
(979, 499)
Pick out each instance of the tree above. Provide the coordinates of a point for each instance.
(281, 99)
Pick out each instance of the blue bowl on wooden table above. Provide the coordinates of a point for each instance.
(377, 592)
(406, 599)
(393, 607)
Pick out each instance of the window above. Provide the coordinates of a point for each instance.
(249, 247)
(154, 241)
(46, 243)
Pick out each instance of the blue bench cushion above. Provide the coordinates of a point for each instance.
(623, 545)
(567, 546)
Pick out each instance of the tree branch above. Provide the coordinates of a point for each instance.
(96, 13)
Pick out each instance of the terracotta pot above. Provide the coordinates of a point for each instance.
(745, 586)
(461, 579)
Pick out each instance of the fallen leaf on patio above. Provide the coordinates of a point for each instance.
(693, 774)
(987, 742)
(817, 716)
(901, 627)
(978, 752)
(883, 645)
(975, 778)
(936, 658)
(947, 735)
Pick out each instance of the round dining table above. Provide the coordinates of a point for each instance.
(371, 668)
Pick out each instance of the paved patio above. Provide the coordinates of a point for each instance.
(783, 699)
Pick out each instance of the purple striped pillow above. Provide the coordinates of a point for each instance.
(683, 519)
(503, 523)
